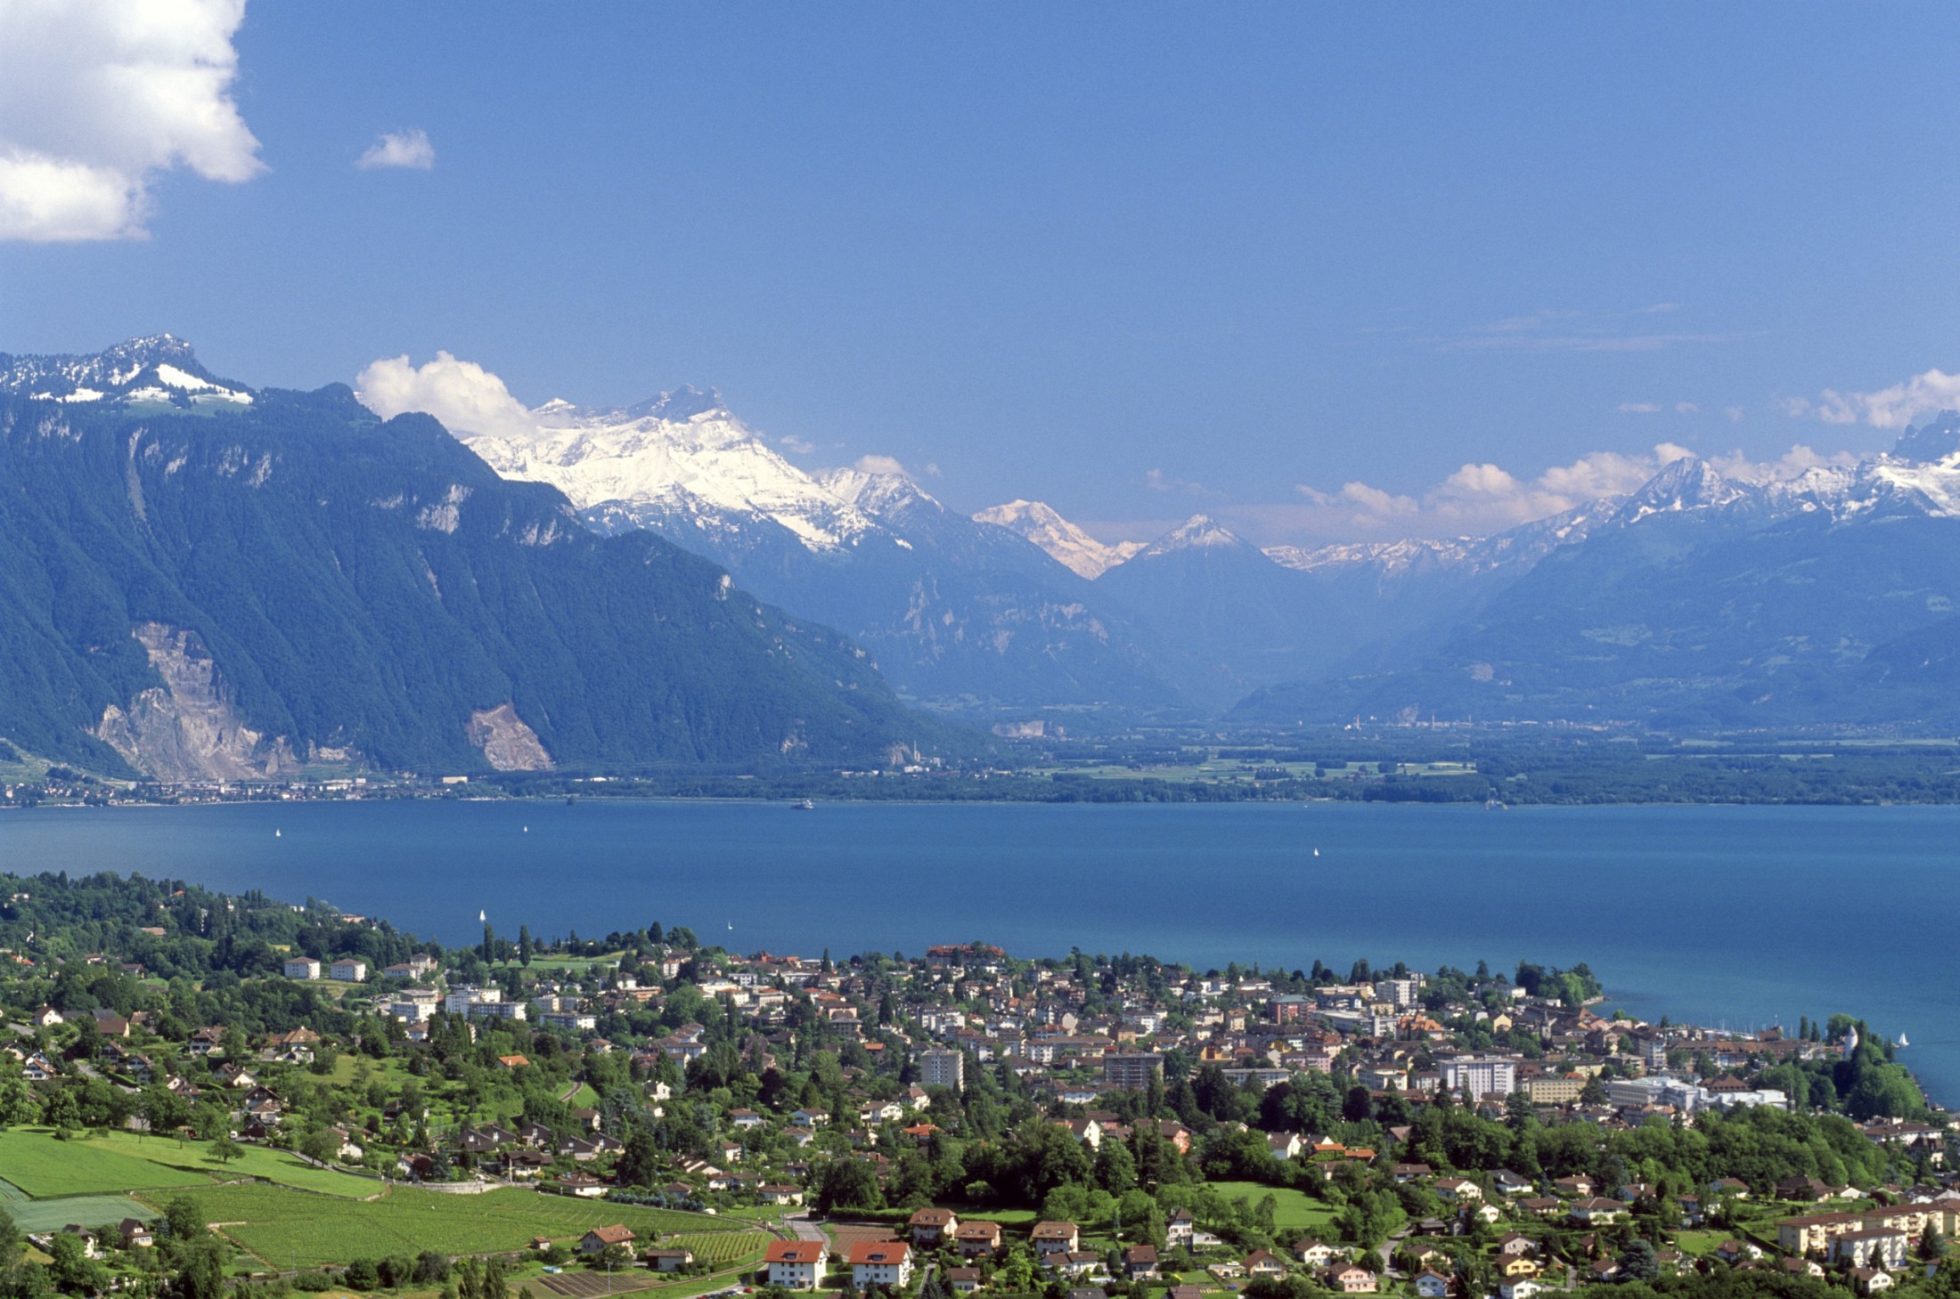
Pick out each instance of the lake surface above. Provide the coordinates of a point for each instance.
(1719, 915)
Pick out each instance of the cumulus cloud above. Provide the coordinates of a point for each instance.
(881, 465)
(796, 445)
(1480, 498)
(1159, 481)
(1793, 463)
(462, 394)
(98, 97)
(1889, 408)
(405, 149)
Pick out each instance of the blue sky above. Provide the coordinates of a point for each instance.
(1136, 260)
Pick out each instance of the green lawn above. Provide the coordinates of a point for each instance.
(34, 1161)
(53, 1215)
(1295, 1211)
(1697, 1243)
(279, 1166)
(297, 1229)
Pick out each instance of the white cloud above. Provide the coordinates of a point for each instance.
(462, 394)
(1638, 408)
(409, 149)
(1791, 464)
(1685, 408)
(1890, 408)
(1159, 481)
(1566, 329)
(99, 96)
(1475, 499)
(880, 465)
(796, 445)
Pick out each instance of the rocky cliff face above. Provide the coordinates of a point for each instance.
(507, 743)
(188, 728)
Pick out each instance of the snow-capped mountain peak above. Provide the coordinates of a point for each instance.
(1199, 532)
(1936, 440)
(679, 456)
(1066, 543)
(160, 369)
(878, 494)
(1689, 483)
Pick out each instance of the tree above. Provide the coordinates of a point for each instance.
(639, 1161)
(200, 1267)
(1518, 1111)
(848, 1184)
(319, 1145)
(1639, 1262)
(224, 1149)
(524, 946)
(181, 1220)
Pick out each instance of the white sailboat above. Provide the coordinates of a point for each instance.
(1902, 1041)
(481, 917)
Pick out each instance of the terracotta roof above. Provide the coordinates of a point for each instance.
(615, 1234)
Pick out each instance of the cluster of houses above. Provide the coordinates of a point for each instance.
(1071, 1032)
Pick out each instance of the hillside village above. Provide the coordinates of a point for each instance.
(326, 1102)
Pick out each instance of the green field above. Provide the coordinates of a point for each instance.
(53, 1215)
(34, 1161)
(720, 1248)
(297, 1229)
(279, 1166)
(1697, 1243)
(1296, 1211)
(114, 1162)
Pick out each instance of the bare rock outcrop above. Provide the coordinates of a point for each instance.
(188, 728)
(507, 743)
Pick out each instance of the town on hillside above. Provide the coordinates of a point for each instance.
(205, 1095)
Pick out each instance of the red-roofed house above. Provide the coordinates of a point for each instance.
(881, 1262)
(795, 1264)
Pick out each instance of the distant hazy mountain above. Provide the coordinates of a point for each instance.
(198, 579)
(1702, 599)
(1063, 541)
(960, 613)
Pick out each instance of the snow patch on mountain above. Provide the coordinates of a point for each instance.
(1066, 543)
(677, 456)
(1199, 532)
(158, 368)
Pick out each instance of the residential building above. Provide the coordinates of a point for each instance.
(881, 1262)
(795, 1264)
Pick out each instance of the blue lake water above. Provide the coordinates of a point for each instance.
(1723, 915)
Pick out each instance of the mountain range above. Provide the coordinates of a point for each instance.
(960, 613)
(202, 580)
(1705, 577)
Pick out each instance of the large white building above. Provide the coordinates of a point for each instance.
(1660, 1089)
(1481, 1076)
(796, 1264)
(942, 1068)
